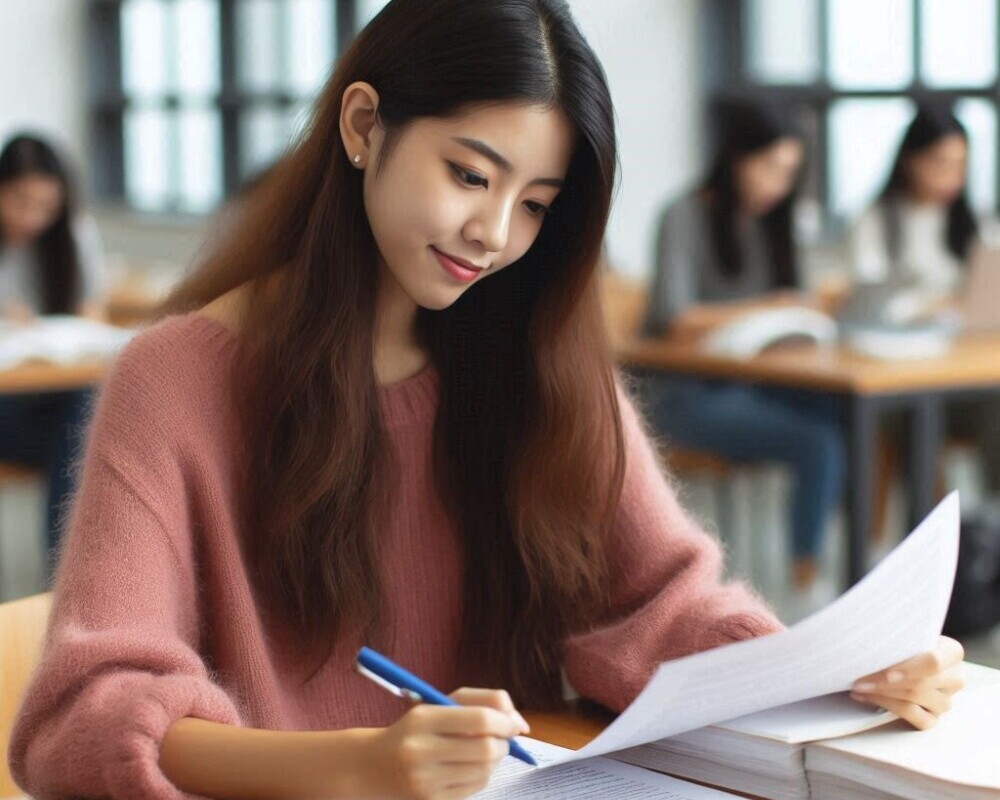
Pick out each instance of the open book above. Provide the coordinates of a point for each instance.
(894, 613)
(831, 747)
(59, 340)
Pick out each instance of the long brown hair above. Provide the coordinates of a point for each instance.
(59, 278)
(528, 442)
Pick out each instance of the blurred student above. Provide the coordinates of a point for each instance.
(722, 250)
(51, 262)
(921, 229)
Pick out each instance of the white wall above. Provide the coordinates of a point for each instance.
(649, 49)
(42, 76)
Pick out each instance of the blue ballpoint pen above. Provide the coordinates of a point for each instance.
(394, 678)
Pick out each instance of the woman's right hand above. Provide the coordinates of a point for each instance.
(443, 751)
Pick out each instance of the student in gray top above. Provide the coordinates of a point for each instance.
(50, 263)
(723, 249)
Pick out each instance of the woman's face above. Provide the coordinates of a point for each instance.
(765, 178)
(28, 206)
(460, 199)
(937, 173)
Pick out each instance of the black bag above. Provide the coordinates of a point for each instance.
(975, 600)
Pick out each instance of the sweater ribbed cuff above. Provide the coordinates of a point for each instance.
(131, 766)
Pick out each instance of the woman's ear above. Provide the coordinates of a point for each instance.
(358, 117)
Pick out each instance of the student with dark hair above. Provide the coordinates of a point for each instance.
(722, 250)
(387, 414)
(51, 262)
(921, 229)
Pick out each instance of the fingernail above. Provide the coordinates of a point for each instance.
(522, 722)
(894, 676)
(867, 686)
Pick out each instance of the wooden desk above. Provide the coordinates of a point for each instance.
(133, 302)
(866, 387)
(44, 377)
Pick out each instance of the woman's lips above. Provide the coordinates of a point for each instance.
(458, 271)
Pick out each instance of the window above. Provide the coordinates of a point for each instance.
(854, 69)
(193, 97)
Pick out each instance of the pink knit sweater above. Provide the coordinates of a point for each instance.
(154, 618)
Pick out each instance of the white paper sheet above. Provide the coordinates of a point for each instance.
(826, 717)
(894, 613)
(597, 779)
(59, 339)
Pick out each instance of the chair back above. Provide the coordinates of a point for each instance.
(22, 632)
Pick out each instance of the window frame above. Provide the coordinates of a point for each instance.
(726, 39)
(108, 103)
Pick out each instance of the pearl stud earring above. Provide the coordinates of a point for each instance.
(357, 159)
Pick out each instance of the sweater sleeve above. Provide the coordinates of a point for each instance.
(667, 598)
(120, 663)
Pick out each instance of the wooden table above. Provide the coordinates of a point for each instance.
(866, 387)
(45, 377)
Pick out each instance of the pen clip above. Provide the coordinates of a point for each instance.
(406, 694)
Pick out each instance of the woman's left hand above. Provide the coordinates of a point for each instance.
(919, 689)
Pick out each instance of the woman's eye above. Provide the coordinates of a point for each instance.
(469, 178)
(537, 209)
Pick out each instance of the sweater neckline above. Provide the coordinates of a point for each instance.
(406, 401)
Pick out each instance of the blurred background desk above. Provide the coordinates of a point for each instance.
(36, 378)
(866, 387)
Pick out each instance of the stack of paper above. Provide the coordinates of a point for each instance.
(761, 753)
(957, 759)
(796, 752)
(59, 340)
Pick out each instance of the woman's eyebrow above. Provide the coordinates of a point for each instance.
(486, 151)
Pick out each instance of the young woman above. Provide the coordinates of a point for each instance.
(392, 420)
(724, 249)
(922, 228)
(51, 262)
